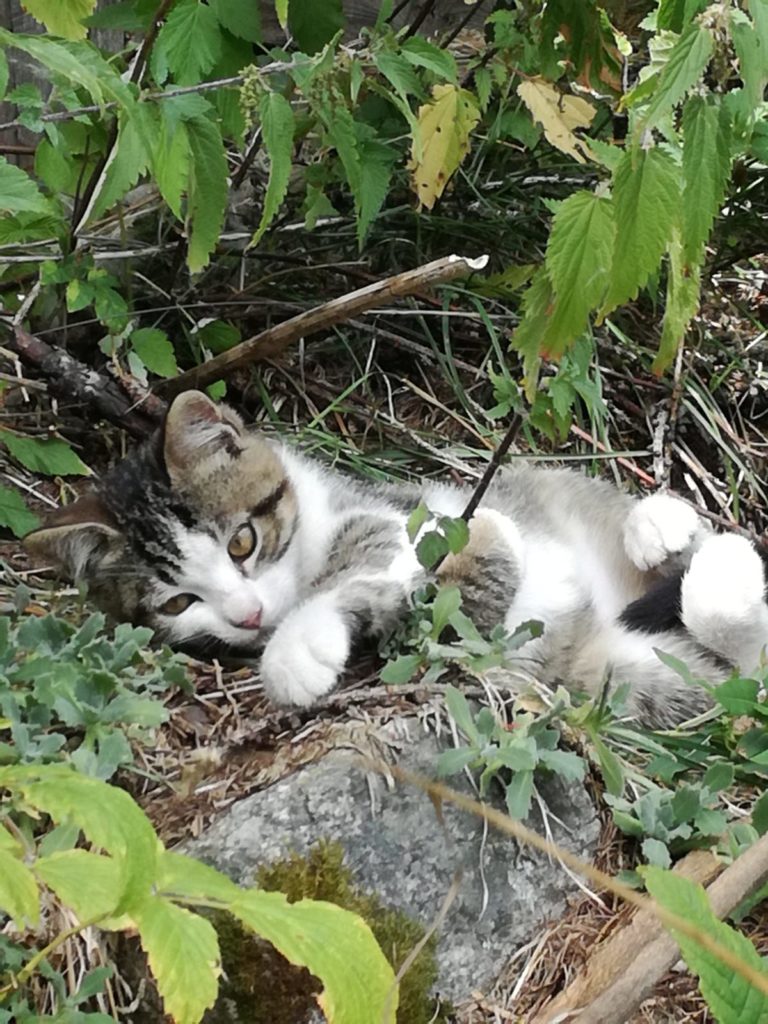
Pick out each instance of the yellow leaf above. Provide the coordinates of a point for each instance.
(62, 17)
(442, 140)
(557, 114)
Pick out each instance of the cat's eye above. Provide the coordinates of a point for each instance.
(178, 604)
(242, 543)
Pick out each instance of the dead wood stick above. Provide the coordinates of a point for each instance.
(71, 380)
(275, 340)
(624, 971)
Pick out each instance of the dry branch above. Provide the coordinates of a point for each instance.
(275, 340)
(71, 380)
(624, 970)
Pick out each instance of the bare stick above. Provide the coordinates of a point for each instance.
(492, 468)
(631, 963)
(274, 340)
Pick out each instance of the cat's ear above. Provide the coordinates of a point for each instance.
(197, 428)
(75, 538)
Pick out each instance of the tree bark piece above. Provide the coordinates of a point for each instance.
(69, 380)
(274, 340)
(624, 970)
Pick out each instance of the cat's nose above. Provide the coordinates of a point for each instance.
(252, 621)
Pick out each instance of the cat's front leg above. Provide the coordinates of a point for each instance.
(307, 653)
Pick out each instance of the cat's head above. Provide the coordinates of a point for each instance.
(178, 535)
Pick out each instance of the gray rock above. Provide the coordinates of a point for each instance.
(397, 847)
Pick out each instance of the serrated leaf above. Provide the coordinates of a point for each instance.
(738, 696)
(183, 953)
(277, 125)
(416, 520)
(442, 140)
(399, 73)
(685, 66)
(706, 168)
(219, 336)
(610, 767)
(558, 114)
(335, 945)
(4, 74)
(181, 876)
(519, 795)
(342, 133)
(155, 350)
(128, 163)
(62, 17)
(19, 193)
(423, 54)
(579, 255)
(564, 762)
(313, 25)
(377, 160)
(431, 547)
(14, 513)
(519, 756)
(452, 761)
(760, 814)
(456, 532)
(171, 164)
(52, 456)
(189, 41)
(18, 891)
(646, 199)
(208, 191)
(89, 883)
(401, 670)
(675, 14)
(242, 19)
(750, 40)
(729, 996)
(537, 304)
(682, 301)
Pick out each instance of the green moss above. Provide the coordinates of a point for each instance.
(266, 989)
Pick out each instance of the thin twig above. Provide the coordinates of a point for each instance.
(149, 40)
(271, 342)
(492, 468)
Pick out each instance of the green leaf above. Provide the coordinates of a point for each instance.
(335, 945)
(154, 349)
(14, 513)
(18, 891)
(189, 42)
(579, 255)
(281, 10)
(51, 456)
(656, 852)
(751, 47)
(183, 953)
(124, 169)
(171, 160)
(564, 762)
(536, 306)
(240, 17)
(423, 54)
(4, 73)
(729, 996)
(706, 168)
(718, 776)
(675, 14)
(685, 66)
(62, 17)
(180, 876)
(519, 795)
(277, 125)
(377, 160)
(682, 301)
(446, 603)
(401, 670)
(18, 193)
(461, 713)
(646, 206)
(610, 766)
(207, 191)
(89, 883)
(738, 696)
(314, 24)
(399, 73)
(432, 546)
(219, 336)
(452, 761)
(456, 532)
(760, 814)
(416, 520)
(520, 756)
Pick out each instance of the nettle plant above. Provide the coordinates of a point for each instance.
(106, 867)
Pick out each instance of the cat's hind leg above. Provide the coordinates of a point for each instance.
(662, 532)
(723, 600)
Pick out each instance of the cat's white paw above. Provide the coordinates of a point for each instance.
(724, 582)
(305, 657)
(659, 526)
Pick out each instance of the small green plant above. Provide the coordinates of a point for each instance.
(510, 752)
(110, 871)
(79, 693)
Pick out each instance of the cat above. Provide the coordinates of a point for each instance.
(222, 540)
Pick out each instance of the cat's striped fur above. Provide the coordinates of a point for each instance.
(222, 540)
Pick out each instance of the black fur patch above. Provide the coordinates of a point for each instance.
(659, 610)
